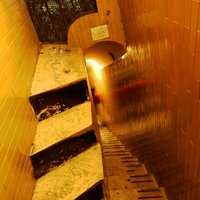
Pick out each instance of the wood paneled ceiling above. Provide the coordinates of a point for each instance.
(52, 18)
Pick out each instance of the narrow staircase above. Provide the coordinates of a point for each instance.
(65, 153)
(126, 178)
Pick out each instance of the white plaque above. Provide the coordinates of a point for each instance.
(100, 32)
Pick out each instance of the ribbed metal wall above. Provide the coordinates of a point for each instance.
(154, 91)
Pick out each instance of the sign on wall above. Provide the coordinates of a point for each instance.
(100, 32)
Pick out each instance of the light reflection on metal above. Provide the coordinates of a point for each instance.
(96, 66)
(124, 56)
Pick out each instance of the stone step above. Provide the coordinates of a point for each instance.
(73, 178)
(72, 122)
(142, 181)
(46, 160)
(126, 194)
(62, 137)
(112, 170)
(151, 193)
(58, 66)
(113, 161)
(50, 103)
(124, 181)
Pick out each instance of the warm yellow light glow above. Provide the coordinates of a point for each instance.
(94, 63)
(124, 56)
(96, 67)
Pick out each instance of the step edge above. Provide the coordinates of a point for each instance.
(77, 134)
(57, 88)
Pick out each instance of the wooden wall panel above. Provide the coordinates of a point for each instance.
(18, 54)
(79, 34)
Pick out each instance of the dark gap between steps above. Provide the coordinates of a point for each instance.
(93, 193)
(50, 103)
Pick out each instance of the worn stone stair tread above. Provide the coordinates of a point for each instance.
(151, 193)
(72, 178)
(123, 181)
(71, 122)
(143, 181)
(132, 194)
(118, 170)
(113, 161)
(58, 65)
(120, 187)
